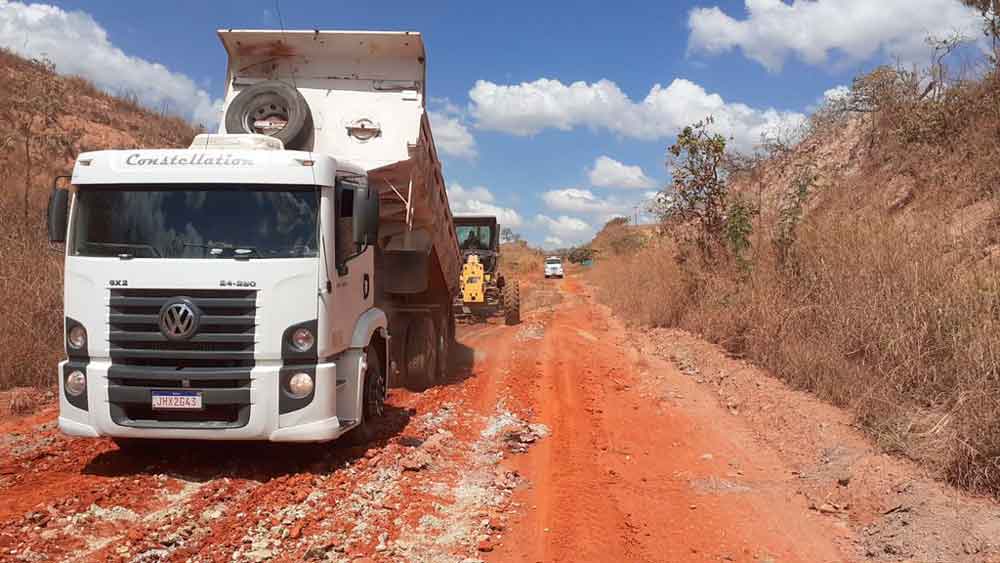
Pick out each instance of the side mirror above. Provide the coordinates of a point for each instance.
(366, 216)
(58, 214)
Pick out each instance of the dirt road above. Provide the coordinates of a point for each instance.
(555, 440)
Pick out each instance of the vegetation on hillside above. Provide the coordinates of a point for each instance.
(860, 263)
(44, 122)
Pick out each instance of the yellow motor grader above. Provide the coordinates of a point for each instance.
(484, 291)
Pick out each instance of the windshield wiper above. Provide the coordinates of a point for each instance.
(126, 255)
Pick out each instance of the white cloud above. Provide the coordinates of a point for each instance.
(531, 107)
(571, 230)
(451, 135)
(553, 242)
(609, 173)
(819, 32)
(78, 45)
(576, 200)
(480, 201)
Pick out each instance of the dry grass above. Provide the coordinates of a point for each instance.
(517, 259)
(31, 272)
(886, 299)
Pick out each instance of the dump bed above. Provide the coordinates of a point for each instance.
(366, 93)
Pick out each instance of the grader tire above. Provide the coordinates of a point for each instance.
(512, 303)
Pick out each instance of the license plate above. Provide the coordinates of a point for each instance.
(177, 400)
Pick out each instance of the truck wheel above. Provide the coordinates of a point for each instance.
(512, 303)
(271, 108)
(375, 386)
(446, 338)
(421, 353)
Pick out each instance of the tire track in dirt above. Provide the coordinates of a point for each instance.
(625, 479)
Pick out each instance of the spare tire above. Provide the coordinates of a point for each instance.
(272, 108)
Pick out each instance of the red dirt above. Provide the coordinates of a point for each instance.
(638, 461)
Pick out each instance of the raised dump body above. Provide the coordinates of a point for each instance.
(365, 103)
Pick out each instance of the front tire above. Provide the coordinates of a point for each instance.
(376, 386)
(512, 303)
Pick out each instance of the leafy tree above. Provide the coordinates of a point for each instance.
(990, 10)
(32, 114)
(700, 185)
(580, 254)
(508, 235)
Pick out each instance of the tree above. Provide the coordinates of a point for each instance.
(700, 192)
(32, 111)
(990, 10)
(580, 254)
(508, 235)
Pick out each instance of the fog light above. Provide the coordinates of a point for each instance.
(76, 383)
(77, 337)
(300, 385)
(303, 339)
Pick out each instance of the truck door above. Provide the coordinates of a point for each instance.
(349, 267)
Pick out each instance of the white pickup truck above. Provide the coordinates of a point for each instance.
(553, 267)
(270, 281)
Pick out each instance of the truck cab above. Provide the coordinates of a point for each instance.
(270, 281)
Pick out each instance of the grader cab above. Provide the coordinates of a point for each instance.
(484, 290)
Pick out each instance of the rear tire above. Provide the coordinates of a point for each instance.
(420, 353)
(512, 303)
(446, 340)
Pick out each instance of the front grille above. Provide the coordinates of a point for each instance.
(212, 416)
(225, 335)
(216, 360)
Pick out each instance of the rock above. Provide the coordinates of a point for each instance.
(261, 554)
(707, 457)
(295, 532)
(844, 480)
(485, 546)
(315, 552)
(827, 508)
(415, 461)
(496, 524)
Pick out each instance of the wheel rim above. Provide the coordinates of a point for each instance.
(268, 115)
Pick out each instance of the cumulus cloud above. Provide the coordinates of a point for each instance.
(451, 135)
(820, 32)
(576, 200)
(567, 229)
(480, 201)
(609, 173)
(78, 45)
(553, 242)
(531, 107)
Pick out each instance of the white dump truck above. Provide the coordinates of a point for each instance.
(272, 280)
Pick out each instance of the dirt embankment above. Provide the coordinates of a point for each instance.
(566, 438)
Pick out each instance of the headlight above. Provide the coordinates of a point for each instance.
(303, 339)
(300, 385)
(77, 337)
(76, 383)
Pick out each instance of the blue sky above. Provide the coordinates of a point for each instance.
(547, 113)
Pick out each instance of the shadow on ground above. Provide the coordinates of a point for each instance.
(195, 460)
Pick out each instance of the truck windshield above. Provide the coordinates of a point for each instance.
(196, 221)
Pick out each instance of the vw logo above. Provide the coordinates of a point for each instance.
(179, 319)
